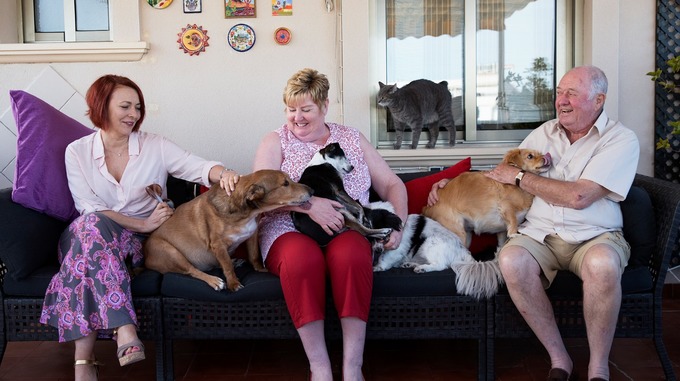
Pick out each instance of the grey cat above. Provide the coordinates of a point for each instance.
(421, 102)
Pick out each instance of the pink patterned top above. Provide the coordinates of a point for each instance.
(296, 155)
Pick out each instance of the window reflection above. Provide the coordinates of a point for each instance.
(92, 15)
(515, 59)
(49, 16)
(515, 63)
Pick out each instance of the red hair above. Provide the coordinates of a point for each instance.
(99, 95)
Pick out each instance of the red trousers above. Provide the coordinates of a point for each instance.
(304, 269)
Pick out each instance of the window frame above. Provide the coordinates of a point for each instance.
(125, 41)
(565, 48)
(70, 34)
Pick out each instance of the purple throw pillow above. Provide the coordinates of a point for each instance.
(40, 181)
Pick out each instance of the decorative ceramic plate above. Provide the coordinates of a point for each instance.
(159, 4)
(282, 36)
(193, 39)
(241, 37)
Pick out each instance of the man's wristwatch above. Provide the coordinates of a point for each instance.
(519, 177)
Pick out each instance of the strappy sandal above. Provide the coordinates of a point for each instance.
(94, 363)
(132, 357)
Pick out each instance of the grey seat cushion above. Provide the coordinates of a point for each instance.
(256, 286)
(265, 286)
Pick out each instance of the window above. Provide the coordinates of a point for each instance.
(500, 59)
(93, 31)
(66, 20)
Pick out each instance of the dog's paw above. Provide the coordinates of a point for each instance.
(378, 268)
(235, 286)
(426, 268)
(216, 283)
(408, 265)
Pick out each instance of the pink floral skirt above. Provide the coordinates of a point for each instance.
(91, 291)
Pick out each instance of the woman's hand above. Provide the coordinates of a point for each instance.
(394, 240)
(228, 180)
(159, 215)
(433, 197)
(325, 213)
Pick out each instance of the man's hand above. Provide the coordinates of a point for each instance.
(433, 197)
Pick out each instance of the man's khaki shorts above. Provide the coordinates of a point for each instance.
(555, 254)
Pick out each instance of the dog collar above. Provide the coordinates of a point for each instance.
(519, 176)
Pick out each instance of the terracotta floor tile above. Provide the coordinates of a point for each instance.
(393, 360)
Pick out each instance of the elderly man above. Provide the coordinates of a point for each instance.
(575, 221)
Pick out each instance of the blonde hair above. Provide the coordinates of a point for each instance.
(307, 82)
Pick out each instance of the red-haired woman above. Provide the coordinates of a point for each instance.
(108, 172)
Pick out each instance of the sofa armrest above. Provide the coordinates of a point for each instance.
(28, 239)
(665, 196)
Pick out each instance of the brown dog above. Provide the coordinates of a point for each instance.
(203, 232)
(474, 202)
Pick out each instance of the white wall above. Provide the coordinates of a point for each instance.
(219, 104)
(620, 38)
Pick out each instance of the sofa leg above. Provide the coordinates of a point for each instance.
(663, 356)
(160, 360)
(490, 354)
(481, 359)
(168, 368)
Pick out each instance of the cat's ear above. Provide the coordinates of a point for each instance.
(381, 84)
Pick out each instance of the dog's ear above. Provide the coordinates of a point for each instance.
(394, 222)
(514, 157)
(255, 193)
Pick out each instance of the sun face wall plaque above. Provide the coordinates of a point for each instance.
(241, 37)
(193, 39)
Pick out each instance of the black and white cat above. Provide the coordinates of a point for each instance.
(421, 102)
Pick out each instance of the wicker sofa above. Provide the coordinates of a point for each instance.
(405, 305)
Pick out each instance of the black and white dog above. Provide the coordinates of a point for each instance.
(324, 175)
(426, 245)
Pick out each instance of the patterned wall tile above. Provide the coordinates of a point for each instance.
(53, 89)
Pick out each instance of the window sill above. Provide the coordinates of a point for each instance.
(73, 52)
(484, 156)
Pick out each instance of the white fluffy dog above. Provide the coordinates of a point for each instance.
(426, 245)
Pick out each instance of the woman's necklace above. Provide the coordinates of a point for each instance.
(112, 152)
(119, 154)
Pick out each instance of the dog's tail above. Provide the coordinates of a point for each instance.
(480, 279)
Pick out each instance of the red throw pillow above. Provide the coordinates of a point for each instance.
(418, 189)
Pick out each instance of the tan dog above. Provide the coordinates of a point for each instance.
(473, 202)
(203, 232)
